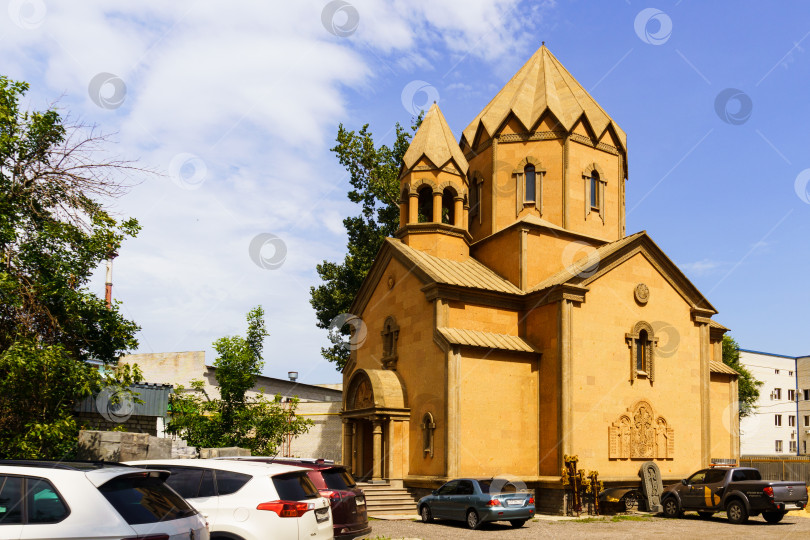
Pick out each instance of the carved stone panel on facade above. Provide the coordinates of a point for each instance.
(640, 434)
(642, 293)
(390, 336)
(363, 397)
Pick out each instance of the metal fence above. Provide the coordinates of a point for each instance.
(780, 468)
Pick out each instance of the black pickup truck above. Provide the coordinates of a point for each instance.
(739, 491)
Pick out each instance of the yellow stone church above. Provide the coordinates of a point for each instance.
(512, 321)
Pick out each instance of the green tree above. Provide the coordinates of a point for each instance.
(39, 386)
(54, 233)
(236, 419)
(747, 385)
(374, 178)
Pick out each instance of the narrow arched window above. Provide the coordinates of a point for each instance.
(642, 344)
(425, 204)
(428, 426)
(595, 202)
(404, 209)
(448, 207)
(530, 179)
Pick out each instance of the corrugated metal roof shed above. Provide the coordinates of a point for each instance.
(155, 399)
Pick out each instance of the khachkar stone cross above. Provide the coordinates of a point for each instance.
(640, 434)
(651, 485)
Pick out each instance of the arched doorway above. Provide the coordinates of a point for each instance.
(374, 398)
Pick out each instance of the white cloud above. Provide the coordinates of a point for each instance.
(702, 268)
(255, 90)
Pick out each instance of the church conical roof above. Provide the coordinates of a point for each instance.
(543, 83)
(435, 141)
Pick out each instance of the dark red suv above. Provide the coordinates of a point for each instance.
(336, 484)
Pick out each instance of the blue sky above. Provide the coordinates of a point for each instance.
(237, 106)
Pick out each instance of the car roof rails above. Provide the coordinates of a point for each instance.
(68, 465)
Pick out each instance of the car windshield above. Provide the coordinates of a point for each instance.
(337, 478)
(295, 486)
(145, 499)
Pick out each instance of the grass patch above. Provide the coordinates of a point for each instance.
(606, 519)
(630, 518)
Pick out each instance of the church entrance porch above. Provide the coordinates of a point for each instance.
(368, 461)
(374, 401)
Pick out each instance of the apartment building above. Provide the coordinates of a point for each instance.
(780, 425)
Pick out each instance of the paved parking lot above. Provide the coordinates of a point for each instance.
(691, 526)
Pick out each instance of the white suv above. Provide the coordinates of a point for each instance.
(53, 500)
(247, 501)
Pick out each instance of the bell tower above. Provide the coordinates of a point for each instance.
(433, 206)
(544, 153)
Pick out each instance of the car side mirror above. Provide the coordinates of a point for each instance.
(435, 492)
(684, 482)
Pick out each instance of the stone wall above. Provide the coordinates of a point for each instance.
(324, 439)
(321, 404)
(231, 451)
(133, 424)
(122, 446)
(180, 368)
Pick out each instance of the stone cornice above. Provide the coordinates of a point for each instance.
(557, 293)
(557, 230)
(702, 315)
(450, 167)
(457, 293)
(433, 228)
(530, 136)
(376, 411)
(587, 141)
(716, 334)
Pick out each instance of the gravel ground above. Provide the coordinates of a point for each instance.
(793, 526)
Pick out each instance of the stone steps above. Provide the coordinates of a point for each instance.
(383, 499)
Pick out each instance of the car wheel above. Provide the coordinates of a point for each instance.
(671, 508)
(472, 519)
(427, 517)
(736, 512)
(517, 523)
(630, 501)
(705, 515)
(773, 517)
